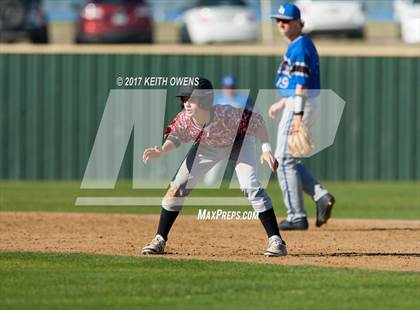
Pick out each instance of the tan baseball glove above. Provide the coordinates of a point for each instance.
(300, 142)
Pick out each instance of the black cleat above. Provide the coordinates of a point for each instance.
(323, 209)
(300, 224)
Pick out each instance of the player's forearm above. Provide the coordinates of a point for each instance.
(262, 134)
(298, 117)
(167, 146)
(300, 90)
(299, 100)
(279, 105)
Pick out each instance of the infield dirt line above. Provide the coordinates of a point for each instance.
(367, 244)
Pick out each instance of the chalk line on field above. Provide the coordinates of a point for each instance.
(157, 201)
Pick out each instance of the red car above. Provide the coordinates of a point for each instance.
(115, 21)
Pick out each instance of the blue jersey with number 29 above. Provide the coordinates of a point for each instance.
(300, 65)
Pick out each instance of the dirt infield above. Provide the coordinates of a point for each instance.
(371, 244)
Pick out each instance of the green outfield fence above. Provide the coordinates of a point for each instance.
(52, 103)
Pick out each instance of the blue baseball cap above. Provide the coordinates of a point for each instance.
(287, 11)
(229, 81)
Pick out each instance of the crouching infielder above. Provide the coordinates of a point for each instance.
(214, 130)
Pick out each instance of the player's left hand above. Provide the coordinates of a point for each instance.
(300, 142)
(271, 161)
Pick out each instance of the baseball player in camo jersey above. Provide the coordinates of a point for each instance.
(298, 81)
(229, 96)
(214, 128)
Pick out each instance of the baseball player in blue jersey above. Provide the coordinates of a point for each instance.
(231, 96)
(298, 82)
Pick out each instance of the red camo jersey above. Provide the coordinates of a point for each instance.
(227, 123)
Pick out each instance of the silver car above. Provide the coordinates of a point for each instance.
(407, 13)
(333, 17)
(218, 21)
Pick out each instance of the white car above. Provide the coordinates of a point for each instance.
(407, 13)
(219, 21)
(333, 17)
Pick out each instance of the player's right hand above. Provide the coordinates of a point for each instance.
(276, 108)
(151, 152)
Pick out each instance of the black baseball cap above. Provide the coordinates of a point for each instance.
(202, 89)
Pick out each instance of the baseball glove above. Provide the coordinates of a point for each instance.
(300, 142)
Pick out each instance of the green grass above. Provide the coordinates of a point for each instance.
(393, 200)
(63, 281)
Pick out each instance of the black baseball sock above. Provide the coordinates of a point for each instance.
(167, 218)
(269, 221)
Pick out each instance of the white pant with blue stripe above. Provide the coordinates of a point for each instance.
(294, 178)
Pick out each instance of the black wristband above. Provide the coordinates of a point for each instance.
(298, 113)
